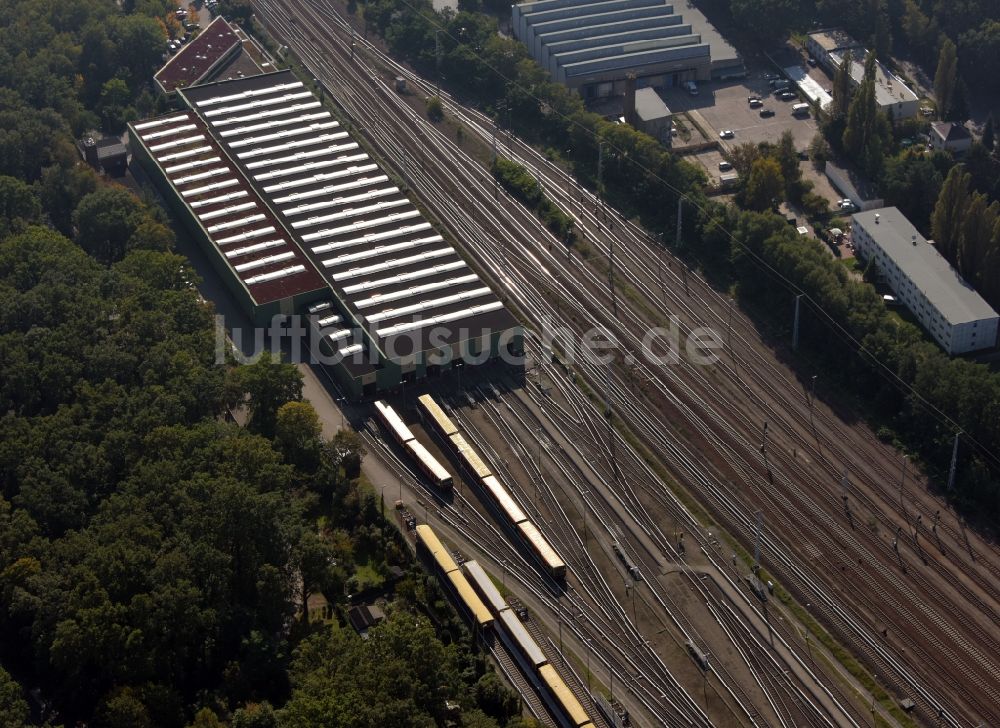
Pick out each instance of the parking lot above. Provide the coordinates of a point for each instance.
(723, 105)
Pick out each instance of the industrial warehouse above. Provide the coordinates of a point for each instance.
(297, 219)
(592, 45)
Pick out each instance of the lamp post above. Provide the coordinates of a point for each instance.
(812, 401)
(340, 407)
(902, 479)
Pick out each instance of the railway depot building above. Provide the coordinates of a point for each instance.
(949, 308)
(298, 219)
(592, 45)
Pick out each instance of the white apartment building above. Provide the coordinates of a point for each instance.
(948, 308)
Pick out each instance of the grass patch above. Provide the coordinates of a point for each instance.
(682, 129)
(696, 125)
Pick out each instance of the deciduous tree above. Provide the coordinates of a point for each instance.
(949, 212)
(105, 221)
(765, 185)
(945, 77)
(263, 387)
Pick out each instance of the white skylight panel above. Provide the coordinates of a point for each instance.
(349, 213)
(229, 225)
(261, 262)
(439, 319)
(275, 275)
(405, 277)
(256, 248)
(429, 305)
(384, 265)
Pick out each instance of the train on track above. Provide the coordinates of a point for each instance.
(433, 414)
(472, 605)
(429, 465)
(522, 645)
(482, 602)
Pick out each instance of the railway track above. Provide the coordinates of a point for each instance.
(641, 515)
(727, 438)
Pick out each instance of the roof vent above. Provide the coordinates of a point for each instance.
(876, 218)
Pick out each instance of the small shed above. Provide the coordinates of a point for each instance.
(728, 180)
(107, 154)
(365, 616)
(652, 115)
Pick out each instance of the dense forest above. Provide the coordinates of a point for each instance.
(156, 558)
(914, 394)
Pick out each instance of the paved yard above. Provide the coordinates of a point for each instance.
(724, 105)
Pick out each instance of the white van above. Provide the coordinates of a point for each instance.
(800, 110)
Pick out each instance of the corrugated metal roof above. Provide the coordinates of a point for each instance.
(228, 210)
(305, 169)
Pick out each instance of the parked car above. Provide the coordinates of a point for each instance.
(726, 134)
(845, 205)
(691, 87)
(725, 166)
(788, 96)
(765, 113)
(754, 102)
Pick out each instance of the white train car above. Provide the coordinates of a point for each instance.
(430, 466)
(485, 586)
(521, 641)
(393, 422)
(504, 501)
(543, 550)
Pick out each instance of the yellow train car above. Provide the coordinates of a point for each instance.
(432, 411)
(543, 550)
(430, 541)
(469, 457)
(572, 708)
(479, 611)
(463, 589)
